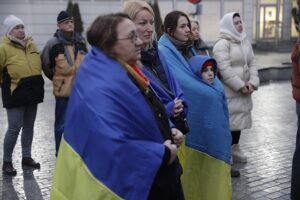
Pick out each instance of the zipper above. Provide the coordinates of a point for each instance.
(28, 60)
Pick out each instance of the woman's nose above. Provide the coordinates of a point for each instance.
(149, 27)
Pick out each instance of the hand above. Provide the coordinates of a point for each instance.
(177, 136)
(245, 90)
(173, 151)
(250, 88)
(178, 107)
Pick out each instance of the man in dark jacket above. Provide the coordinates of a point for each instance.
(295, 187)
(61, 58)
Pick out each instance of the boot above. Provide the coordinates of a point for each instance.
(234, 172)
(8, 168)
(29, 162)
(237, 154)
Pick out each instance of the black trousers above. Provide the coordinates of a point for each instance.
(167, 184)
(235, 137)
(295, 187)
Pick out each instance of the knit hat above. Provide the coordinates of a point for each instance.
(63, 16)
(208, 63)
(11, 22)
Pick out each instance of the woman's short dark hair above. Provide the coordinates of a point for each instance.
(103, 31)
(171, 20)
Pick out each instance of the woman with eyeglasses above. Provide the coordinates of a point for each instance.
(117, 142)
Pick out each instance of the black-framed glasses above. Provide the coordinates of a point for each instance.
(133, 37)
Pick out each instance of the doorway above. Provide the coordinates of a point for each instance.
(267, 26)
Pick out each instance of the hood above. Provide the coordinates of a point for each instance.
(228, 30)
(196, 64)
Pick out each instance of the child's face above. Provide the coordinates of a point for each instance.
(207, 74)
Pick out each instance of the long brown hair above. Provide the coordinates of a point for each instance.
(171, 20)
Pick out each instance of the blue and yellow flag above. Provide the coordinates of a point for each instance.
(112, 147)
(206, 174)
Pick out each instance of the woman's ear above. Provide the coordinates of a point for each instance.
(169, 31)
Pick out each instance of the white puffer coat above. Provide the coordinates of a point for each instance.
(237, 67)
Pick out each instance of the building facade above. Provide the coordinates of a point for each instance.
(265, 21)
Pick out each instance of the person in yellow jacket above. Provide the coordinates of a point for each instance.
(22, 88)
(61, 58)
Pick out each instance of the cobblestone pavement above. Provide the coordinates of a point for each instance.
(269, 146)
(32, 185)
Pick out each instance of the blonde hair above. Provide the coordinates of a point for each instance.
(132, 8)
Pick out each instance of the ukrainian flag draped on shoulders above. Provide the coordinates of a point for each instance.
(160, 90)
(206, 174)
(112, 147)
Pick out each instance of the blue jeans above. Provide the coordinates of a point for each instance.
(19, 117)
(60, 111)
(295, 187)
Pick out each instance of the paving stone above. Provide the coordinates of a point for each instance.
(275, 195)
(269, 145)
(259, 194)
(263, 198)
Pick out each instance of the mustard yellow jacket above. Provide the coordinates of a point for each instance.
(20, 73)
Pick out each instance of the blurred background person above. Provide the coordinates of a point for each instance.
(61, 58)
(199, 44)
(295, 182)
(22, 87)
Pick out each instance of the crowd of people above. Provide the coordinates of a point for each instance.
(136, 116)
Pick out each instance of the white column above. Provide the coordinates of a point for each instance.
(174, 5)
(257, 24)
(286, 20)
(221, 8)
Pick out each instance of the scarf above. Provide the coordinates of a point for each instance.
(23, 42)
(183, 47)
(137, 74)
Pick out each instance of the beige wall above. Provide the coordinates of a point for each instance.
(40, 15)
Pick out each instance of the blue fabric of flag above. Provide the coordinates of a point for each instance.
(111, 127)
(208, 112)
(165, 98)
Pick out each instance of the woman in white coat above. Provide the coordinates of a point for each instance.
(238, 72)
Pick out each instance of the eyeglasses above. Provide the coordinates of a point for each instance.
(133, 37)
